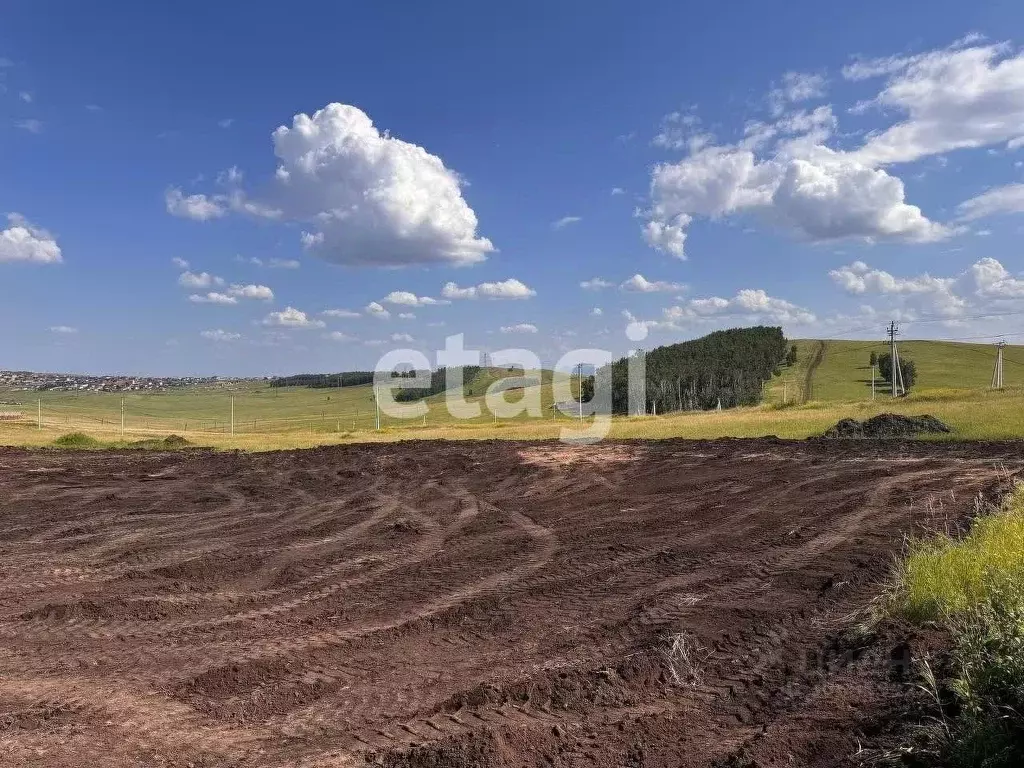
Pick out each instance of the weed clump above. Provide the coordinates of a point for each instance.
(78, 440)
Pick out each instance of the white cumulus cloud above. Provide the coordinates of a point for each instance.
(371, 198)
(213, 297)
(409, 299)
(376, 309)
(63, 329)
(639, 284)
(197, 207)
(506, 289)
(290, 317)
(24, 241)
(261, 292)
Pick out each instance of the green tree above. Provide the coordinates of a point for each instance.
(907, 368)
(874, 359)
(791, 355)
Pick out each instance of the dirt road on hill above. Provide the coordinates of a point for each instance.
(459, 604)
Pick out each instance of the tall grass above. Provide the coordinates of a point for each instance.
(974, 588)
(945, 577)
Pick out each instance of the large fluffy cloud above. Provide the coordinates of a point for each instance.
(964, 96)
(815, 192)
(960, 97)
(363, 197)
(23, 241)
(371, 198)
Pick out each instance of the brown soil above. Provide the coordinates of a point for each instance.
(449, 605)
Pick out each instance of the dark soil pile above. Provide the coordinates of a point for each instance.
(887, 425)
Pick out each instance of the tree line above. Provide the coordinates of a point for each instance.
(324, 380)
(725, 367)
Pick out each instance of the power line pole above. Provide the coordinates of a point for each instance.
(997, 371)
(232, 415)
(122, 417)
(872, 383)
(39, 414)
(896, 374)
(580, 368)
(376, 402)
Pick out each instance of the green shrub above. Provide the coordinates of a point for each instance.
(76, 440)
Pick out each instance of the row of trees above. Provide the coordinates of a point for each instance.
(726, 367)
(324, 380)
(438, 383)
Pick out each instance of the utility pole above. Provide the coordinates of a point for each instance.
(232, 415)
(122, 417)
(376, 403)
(898, 387)
(785, 393)
(39, 414)
(580, 368)
(997, 371)
(872, 383)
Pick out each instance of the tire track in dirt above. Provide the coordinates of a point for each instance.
(325, 607)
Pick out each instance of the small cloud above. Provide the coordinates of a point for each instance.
(404, 337)
(94, 107)
(595, 284)
(290, 317)
(261, 292)
(284, 264)
(639, 284)
(25, 96)
(339, 313)
(565, 221)
(195, 207)
(338, 336)
(618, 191)
(213, 297)
(63, 329)
(519, 328)
(409, 299)
(226, 122)
(180, 263)
(597, 312)
(376, 310)
(406, 315)
(199, 280)
(220, 335)
(31, 125)
(506, 289)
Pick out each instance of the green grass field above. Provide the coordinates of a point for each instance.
(952, 384)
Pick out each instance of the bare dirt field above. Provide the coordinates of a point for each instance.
(462, 604)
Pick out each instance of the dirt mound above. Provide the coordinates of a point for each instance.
(171, 442)
(888, 425)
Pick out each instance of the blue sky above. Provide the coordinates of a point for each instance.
(677, 166)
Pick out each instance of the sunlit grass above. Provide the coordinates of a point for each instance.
(945, 577)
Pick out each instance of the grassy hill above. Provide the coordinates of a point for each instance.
(830, 380)
(842, 373)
